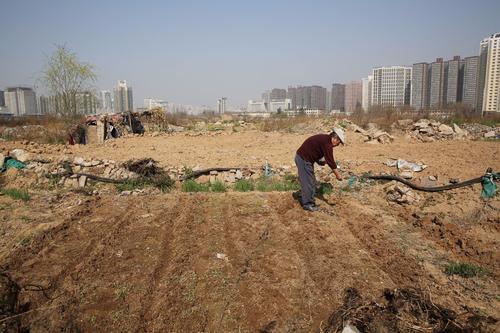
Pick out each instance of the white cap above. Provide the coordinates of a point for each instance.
(340, 133)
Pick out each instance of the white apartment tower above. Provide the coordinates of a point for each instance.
(491, 93)
(391, 86)
(221, 105)
(366, 92)
(21, 101)
(123, 101)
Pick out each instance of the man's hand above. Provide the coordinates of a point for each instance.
(321, 162)
(337, 174)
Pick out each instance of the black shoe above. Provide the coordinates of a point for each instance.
(311, 208)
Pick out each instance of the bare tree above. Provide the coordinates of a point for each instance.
(65, 76)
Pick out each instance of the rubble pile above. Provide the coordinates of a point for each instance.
(427, 130)
(402, 194)
(479, 131)
(373, 135)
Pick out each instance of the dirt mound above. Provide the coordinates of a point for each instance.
(404, 310)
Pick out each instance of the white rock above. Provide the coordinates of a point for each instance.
(20, 154)
(490, 134)
(78, 161)
(2, 158)
(445, 129)
(433, 178)
(406, 174)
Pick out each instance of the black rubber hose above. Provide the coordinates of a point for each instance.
(424, 188)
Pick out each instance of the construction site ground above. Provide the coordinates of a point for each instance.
(248, 262)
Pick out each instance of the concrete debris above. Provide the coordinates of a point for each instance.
(20, 154)
(433, 178)
(222, 256)
(406, 174)
(2, 159)
(402, 194)
(490, 134)
(426, 130)
(373, 135)
(403, 165)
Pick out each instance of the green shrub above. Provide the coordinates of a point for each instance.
(243, 185)
(465, 270)
(192, 186)
(16, 194)
(218, 186)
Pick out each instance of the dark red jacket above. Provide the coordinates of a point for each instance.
(316, 147)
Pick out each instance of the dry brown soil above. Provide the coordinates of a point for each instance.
(110, 263)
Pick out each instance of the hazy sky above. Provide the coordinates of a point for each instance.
(193, 52)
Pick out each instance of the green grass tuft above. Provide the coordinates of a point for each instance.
(465, 270)
(269, 185)
(243, 185)
(16, 194)
(192, 186)
(218, 186)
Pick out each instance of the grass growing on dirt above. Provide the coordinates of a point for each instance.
(163, 183)
(16, 194)
(192, 186)
(269, 185)
(465, 270)
(243, 185)
(218, 186)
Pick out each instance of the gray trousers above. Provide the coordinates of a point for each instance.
(307, 180)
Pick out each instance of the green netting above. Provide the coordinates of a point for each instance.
(489, 186)
(12, 163)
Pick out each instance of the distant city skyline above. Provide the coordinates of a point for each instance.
(193, 53)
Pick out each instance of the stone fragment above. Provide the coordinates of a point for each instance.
(78, 161)
(490, 134)
(20, 154)
(445, 129)
(82, 181)
(2, 158)
(406, 174)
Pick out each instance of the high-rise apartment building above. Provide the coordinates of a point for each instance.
(437, 95)
(453, 80)
(221, 105)
(318, 98)
(491, 93)
(2, 98)
(21, 101)
(106, 103)
(353, 96)
(366, 92)
(278, 94)
(420, 86)
(470, 81)
(338, 97)
(391, 85)
(123, 101)
(483, 61)
(311, 97)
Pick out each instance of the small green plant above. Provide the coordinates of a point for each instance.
(192, 186)
(465, 270)
(243, 185)
(218, 186)
(325, 189)
(16, 194)
(121, 292)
